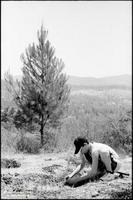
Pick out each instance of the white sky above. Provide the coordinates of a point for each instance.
(93, 38)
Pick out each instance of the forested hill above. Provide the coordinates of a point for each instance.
(120, 80)
(80, 83)
(111, 81)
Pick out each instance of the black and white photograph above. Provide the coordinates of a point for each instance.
(66, 99)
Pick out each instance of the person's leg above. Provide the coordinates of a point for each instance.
(100, 174)
(118, 166)
(78, 181)
(107, 161)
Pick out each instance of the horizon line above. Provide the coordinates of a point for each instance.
(78, 76)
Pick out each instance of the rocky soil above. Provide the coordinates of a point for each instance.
(43, 176)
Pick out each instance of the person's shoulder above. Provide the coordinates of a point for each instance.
(100, 147)
(99, 144)
(95, 144)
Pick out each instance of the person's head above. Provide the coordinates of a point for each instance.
(80, 142)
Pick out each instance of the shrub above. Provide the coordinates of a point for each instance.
(9, 163)
(14, 140)
(28, 143)
(8, 139)
(50, 140)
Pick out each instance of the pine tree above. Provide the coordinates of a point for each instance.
(43, 93)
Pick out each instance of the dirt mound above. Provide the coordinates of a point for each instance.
(6, 178)
(9, 163)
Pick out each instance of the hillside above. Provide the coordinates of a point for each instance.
(29, 172)
(79, 83)
(116, 81)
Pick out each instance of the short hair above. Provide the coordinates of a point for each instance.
(79, 142)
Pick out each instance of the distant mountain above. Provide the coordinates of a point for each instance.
(75, 81)
(125, 80)
(79, 83)
(121, 80)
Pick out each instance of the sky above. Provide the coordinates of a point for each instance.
(93, 38)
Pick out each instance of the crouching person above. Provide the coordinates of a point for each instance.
(102, 158)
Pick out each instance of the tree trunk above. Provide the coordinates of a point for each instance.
(43, 123)
(41, 130)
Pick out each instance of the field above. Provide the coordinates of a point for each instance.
(42, 176)
(96, 114)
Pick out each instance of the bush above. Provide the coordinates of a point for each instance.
(8, 140)
(50, 140)
(28, 143)
(14, 141)
(9, 163)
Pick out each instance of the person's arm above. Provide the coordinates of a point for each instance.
(79, 167)
(93, 171)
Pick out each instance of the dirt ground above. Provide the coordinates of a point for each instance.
(42, 176)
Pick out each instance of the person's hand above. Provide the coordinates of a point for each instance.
(68, 177)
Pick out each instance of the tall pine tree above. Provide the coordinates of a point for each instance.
(43, 93)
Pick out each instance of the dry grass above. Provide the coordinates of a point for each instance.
(14, 141)
(42, 176)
